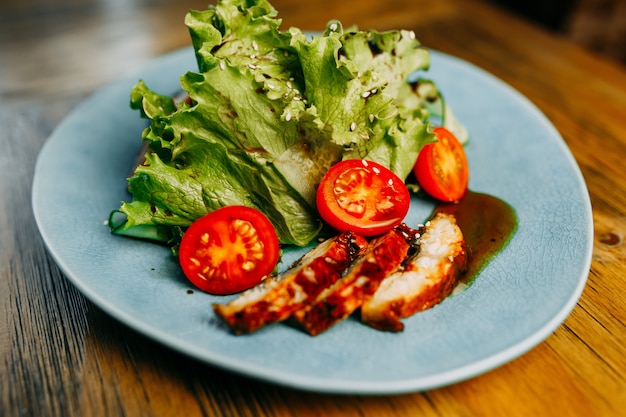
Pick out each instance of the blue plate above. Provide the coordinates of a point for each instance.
(522, 296)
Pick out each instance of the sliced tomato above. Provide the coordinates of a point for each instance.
(229, 250)
(362, 196)
(442, 169)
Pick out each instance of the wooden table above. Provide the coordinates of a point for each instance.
(62, 356)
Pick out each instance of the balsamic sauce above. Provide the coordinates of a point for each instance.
(487, 223)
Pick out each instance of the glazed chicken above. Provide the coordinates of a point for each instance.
(382, 257)
(277, 298)
(392, 277)
(425, 279)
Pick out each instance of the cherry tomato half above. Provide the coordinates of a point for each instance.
(441, 168)
(362, 196)
(229, 250)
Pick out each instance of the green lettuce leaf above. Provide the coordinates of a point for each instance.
(268, 112)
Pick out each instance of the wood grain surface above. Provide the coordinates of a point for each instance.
(62, 356)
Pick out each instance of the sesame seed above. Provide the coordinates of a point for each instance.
(251, 66)
(376, 170)
(365, 94)
(252, 56)
(371, 118)
(222, 65)
(255, 46)
(333, 27)
(412, 35)
(352, 126)
(288, 116)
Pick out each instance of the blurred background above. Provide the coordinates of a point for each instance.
(45, 43)
(598, 25)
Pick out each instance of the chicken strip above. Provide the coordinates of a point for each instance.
(424, 281)
(276, 298)
(382, 257)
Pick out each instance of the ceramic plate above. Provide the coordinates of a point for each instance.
(523, 295)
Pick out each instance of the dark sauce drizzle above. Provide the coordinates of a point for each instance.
(488, 224)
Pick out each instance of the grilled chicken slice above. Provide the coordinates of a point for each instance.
(382, 257)
(276, 298)
(424, 281)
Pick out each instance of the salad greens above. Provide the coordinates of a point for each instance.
(268, 112)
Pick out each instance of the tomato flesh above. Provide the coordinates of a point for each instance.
(442, 169)
(362, 196)
(229, 250)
